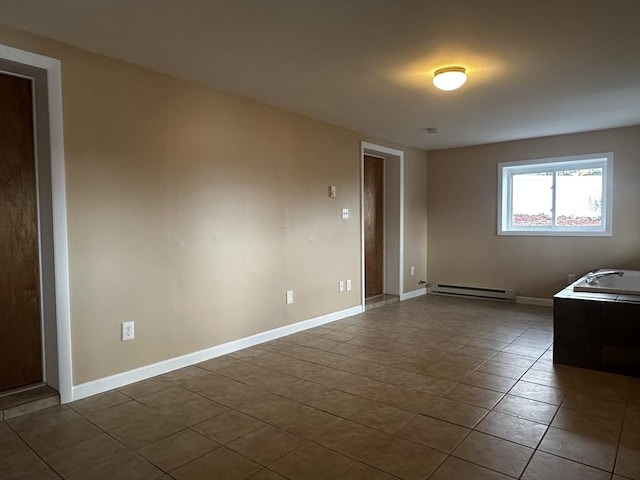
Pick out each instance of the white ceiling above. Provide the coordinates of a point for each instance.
(535, 68)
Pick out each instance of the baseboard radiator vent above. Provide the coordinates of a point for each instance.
(506, 294)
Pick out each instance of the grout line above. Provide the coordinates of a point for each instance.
(624, 418)
(42, 459)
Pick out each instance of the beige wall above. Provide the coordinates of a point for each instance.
(415, 220)
(191, 212)
(464, 247)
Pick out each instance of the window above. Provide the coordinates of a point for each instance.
(556, 196)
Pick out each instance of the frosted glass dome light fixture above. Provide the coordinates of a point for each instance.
(449, 78)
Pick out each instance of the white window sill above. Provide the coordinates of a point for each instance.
(549, 233)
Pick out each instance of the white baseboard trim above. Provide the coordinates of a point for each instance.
(544, 302)
(413, 294)
(118, 380)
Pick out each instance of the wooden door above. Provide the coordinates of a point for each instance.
(373, 225)
(20, 326)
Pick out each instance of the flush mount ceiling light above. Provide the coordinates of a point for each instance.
(449, 78)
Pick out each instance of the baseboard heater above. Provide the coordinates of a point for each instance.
(505, 294)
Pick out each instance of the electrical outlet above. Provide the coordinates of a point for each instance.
(341, 286)
(348, 285)
(345, 213)
(413, 270)
(128, 331)
(289, 297)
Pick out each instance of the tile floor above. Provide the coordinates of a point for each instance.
(16, 403)
(380, 301)
(432, 388)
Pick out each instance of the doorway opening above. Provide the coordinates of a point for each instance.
(43, 75)
(382, 214)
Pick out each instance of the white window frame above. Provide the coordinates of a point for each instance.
(506, 170)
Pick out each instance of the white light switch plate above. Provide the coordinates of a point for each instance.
(349, 285)
(289, 297)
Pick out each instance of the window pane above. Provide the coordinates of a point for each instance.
(579, 197)
(532, 199)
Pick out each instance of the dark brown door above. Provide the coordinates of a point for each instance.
(20, 330)
(373, 225)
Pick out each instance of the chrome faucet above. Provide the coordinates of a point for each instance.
(594, 276)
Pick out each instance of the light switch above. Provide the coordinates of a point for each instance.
(332, 191)
(413, 271)
(289, 297)
(348, 285)
(345, 213)
(341, 286)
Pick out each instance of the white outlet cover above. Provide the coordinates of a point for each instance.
(413, 271)
(289, 297)
(341, 286)
(128, 331)
(345, 213)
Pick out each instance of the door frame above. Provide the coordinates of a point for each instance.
(56, 318)
(393, 230)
